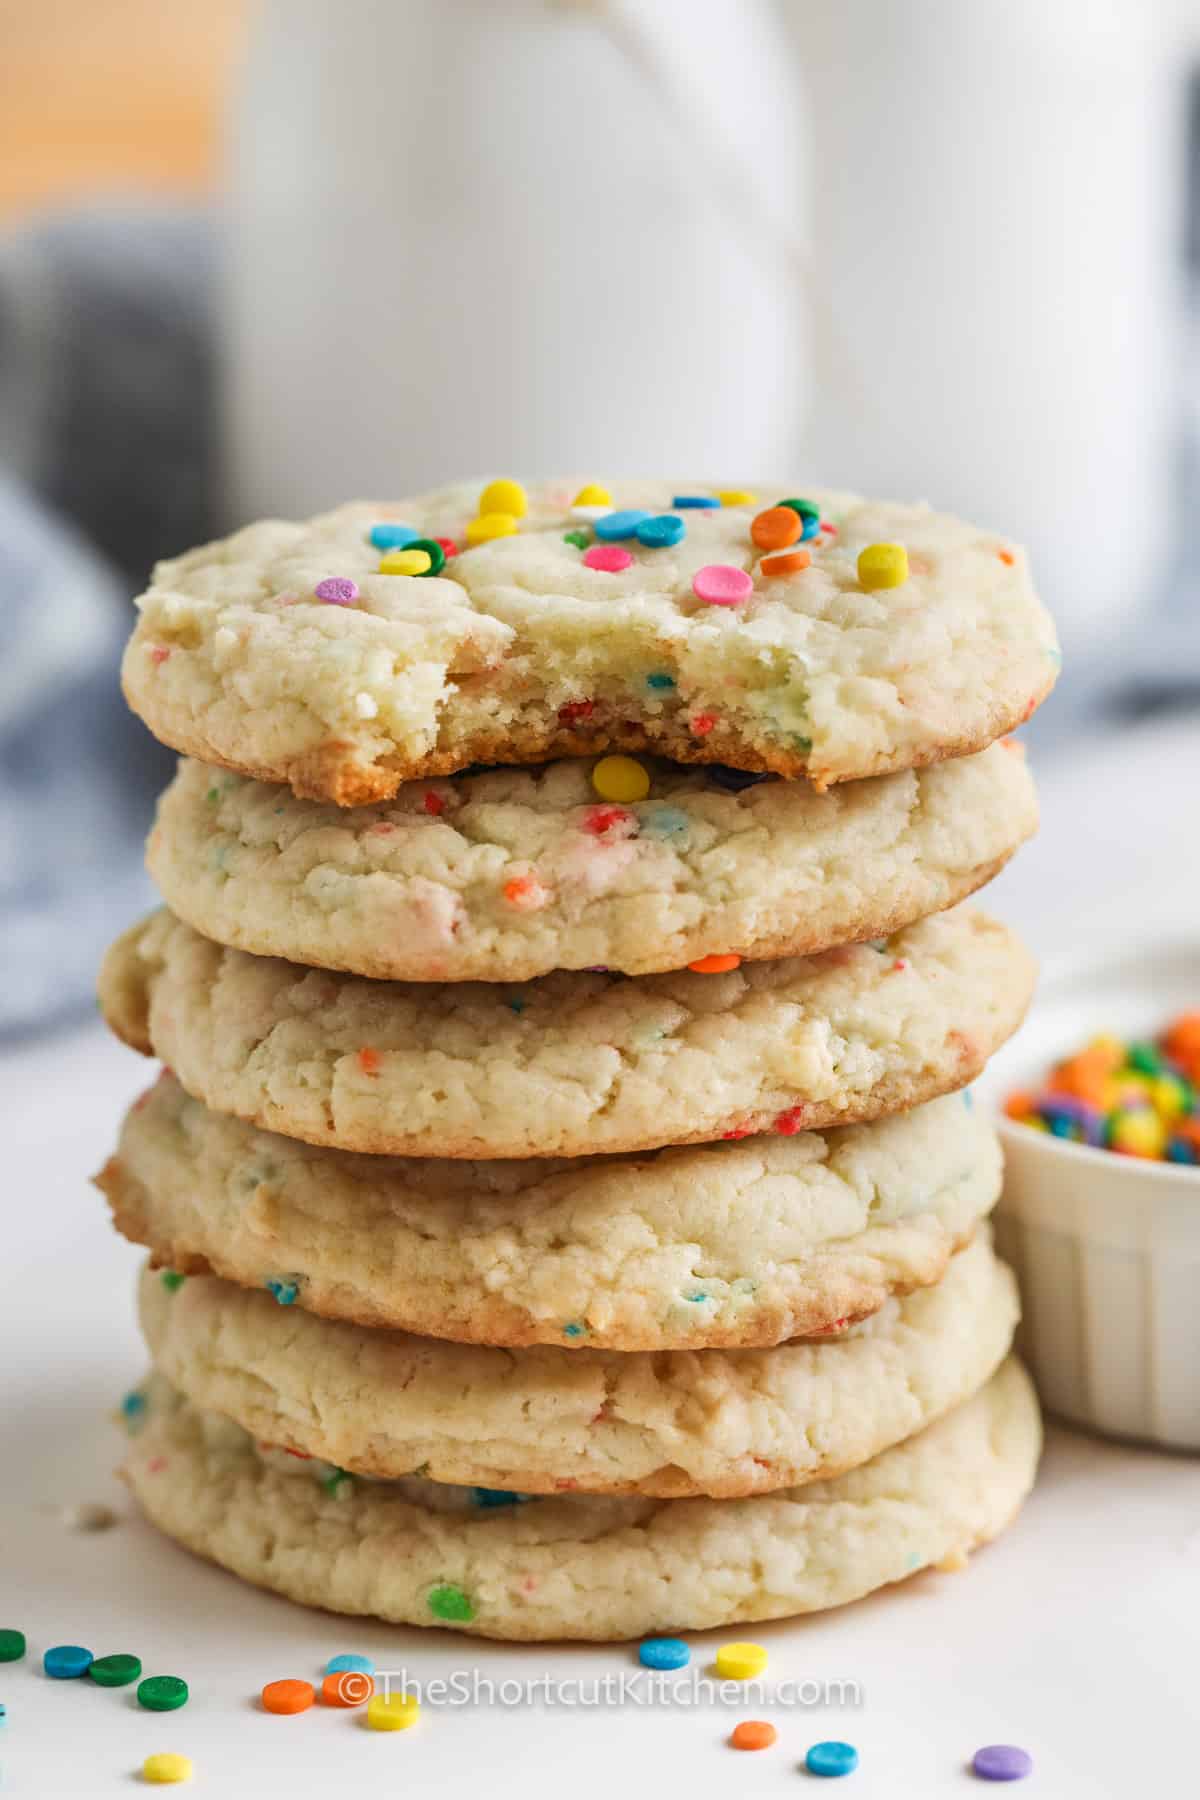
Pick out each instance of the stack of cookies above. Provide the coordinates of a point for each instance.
(565, 1217)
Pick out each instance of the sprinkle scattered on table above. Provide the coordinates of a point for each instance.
(66, 1662)
(664, 1653)
(753, 1734)
(832, 1759)
(1002, 1762)
(740, 1662)
(392, 1712)
(162, 1693)
(167, 1766)
(12, 1644)
(288, 1696)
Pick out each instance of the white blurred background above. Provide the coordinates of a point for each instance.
(263, 256)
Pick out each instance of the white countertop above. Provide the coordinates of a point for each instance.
(1077, 1635)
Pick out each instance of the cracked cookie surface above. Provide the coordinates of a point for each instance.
(571, 1064)
(517, 650)
(512, 873)
(416, 1552)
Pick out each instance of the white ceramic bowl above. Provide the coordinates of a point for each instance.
(1106, 1248)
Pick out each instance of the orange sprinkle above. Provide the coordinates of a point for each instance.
(715, 965)
(753, 1734)
(525, 892)
(368, 1061)
(1020, 1104)
(790, 563)
(159, 654)
(287, 1696)
(776, 528)
(1006, 556)
(346, 1687)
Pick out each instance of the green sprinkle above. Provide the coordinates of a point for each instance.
(517, 1006)
(172, 1280)
(116, 1671)
(660, 681)
(12, 1645)
(213, 795)
(162, 1693)
(1145, 1059)
(449, 1602)
(338, 1482)
(803, 743)
(580, 539)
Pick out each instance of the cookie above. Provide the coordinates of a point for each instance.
(723, 1246)
(727, 1423)
(574, 1063)
(419, 1553)
(510, 874)
(291, 652)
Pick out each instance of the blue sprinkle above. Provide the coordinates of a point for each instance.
(574, 1331)
(133, 1405)
(3, 1712)
(67, 1662)
(361, 1664)
(665, 821)
(664, 1653)
(282, 1289)
(968, 1099)
(494, 1497)
(661, 683)
(517, 1006)
(733, 780)
(695, 500)
(393, 537)
(832, 1758)
(620, 524)
(660, 533)
(696, 1298)
(1180, 1151)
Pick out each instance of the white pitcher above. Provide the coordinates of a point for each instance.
(510, 235)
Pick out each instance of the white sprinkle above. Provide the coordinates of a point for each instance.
(588, 513)
(224, 639)
(365, 706)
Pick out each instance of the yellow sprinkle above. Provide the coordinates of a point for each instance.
(737, 497)
(1169, 1096)
(883, 566)
(491, 525)
(1140, 1133)
(392, 1712)
(405, 562)
(620, 778)
(167, 1765)
(740, 1662)
(592, 494)
(504, 497)
(953, 1563)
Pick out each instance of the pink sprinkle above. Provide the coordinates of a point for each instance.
(156, 1465)
(899, 966)
(339, 590)
(529, 1585)
(831, 529)
(721, 584)
(159, 654)
(608, 557)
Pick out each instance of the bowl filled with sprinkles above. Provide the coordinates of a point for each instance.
(1098, 1109)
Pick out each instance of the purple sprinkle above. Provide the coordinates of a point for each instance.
(1002, 1762)
(596, 969)
(339, 590)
